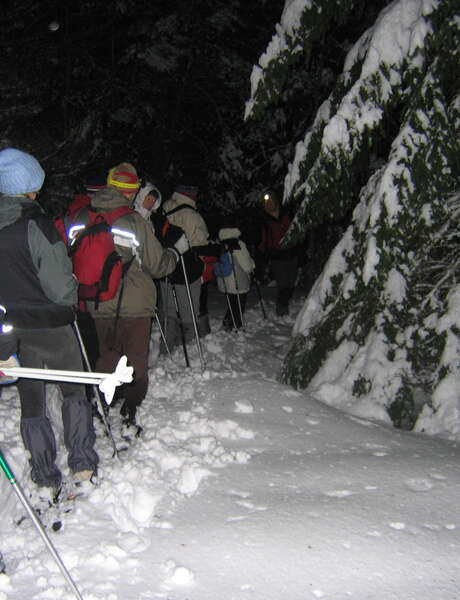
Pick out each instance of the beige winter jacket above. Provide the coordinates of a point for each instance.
(242, 262)
(152, 261)
(187, 219)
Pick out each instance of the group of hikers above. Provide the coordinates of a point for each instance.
(163, 260)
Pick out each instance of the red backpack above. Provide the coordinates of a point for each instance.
(96, 262)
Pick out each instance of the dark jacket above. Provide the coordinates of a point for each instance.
(38, 288)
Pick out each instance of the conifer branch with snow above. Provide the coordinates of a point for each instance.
(380, 328)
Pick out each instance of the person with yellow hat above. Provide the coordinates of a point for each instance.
(123, 324)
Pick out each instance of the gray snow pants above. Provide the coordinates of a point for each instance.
(285, 275)
(54, 348)
(171, 322)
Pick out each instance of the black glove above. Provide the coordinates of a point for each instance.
(231, 244)
(172, 236)
(210, 249)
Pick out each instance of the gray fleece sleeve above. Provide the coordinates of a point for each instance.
(54, 267)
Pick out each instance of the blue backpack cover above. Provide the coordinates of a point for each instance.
(224, 268)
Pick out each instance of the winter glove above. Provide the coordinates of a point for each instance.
(182, 244)
(231, 244)
(176, 239)
(211, 249)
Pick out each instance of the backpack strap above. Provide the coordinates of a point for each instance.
(166, 223)
(121, 237)
(121, 211)
(180, 207)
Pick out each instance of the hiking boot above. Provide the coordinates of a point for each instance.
(81, 484)
(85, 475)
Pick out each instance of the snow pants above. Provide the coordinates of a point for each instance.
(285, 274)
(171, 320)
(54, 348)
(132, 338)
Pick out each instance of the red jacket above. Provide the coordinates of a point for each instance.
(273, 232)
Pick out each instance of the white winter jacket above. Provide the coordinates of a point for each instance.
(243, 265)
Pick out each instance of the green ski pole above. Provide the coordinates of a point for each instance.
(30, 511)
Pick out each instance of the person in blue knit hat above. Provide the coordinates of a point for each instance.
(20, 173)
(39, 301)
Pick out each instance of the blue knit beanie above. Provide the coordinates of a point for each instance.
(20, 173)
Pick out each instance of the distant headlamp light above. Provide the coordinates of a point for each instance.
(266, 197)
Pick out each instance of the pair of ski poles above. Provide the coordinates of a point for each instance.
(240, 309)
(230, 307)
(179, 318)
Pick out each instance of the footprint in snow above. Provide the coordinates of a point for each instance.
(239, 494)
(419, 485)
(438, 476)
(244, 406)
(250, 505)
(338, 493)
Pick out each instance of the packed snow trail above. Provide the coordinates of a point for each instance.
(241, 487)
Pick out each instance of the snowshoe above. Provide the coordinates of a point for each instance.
(130, 430)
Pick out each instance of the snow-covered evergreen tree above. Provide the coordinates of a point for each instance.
(381, 324)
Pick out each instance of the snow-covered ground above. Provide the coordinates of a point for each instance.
(242, 488)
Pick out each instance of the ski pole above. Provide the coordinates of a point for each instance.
(230, 308)
(23, 374)
(55, 374)
(97, 393)
(243, 325)
(30, 511)
(192, 310)
(181, 325)
(259, 293)
(163, 337)
(122, 374)
(165, 297)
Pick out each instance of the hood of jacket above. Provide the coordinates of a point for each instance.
(139, 200)
(229, 233)
(109, 199)
(176, 200)
(13, 208)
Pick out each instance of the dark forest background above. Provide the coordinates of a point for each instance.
(163, 85)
